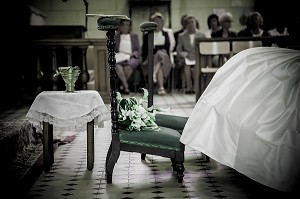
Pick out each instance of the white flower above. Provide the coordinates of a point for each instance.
(134, 115)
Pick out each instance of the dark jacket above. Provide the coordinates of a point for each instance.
(219, 33)
(247, 33)
(166, 46)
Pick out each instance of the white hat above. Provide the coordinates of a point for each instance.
(226, 17)
(156, 14)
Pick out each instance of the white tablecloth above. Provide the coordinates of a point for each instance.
(68, 111)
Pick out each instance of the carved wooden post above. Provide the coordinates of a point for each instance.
(84, 75)
(54, 68)
(69, 53)
(39, 72)
(110, 25)
(112, 71)
(149, 27)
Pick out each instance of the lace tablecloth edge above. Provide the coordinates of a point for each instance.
(99, 114)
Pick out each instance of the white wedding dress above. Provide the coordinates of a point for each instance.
(248, 118)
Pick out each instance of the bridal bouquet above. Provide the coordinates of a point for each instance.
(133, 115)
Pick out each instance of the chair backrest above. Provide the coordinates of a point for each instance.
(214, 50)
(238, 46)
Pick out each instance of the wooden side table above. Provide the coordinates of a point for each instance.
(77, 111)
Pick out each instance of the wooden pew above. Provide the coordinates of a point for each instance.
(203, 59)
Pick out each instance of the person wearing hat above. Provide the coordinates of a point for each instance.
(162, 53)
(168, 30)
(225, 31)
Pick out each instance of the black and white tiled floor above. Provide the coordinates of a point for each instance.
(137, 179)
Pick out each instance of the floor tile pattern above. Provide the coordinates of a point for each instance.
(134, 178)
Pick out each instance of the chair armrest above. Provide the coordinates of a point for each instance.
(209, 70)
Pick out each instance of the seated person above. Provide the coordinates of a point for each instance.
(128, 54)
(162, 61)
(280, 29)
(176, 34)
(254, 24)
(225, 30)
(213, 25)
(248, 117)
(186, 50)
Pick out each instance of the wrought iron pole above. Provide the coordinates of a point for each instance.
(149, 27)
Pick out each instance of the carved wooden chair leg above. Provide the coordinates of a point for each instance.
(180, 170)
(179, 167)
(111, 158)
(108, 155)
(207, 158)
(143, 156)
(173, 164)
(108, 171)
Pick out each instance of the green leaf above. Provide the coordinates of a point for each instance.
(133, 116)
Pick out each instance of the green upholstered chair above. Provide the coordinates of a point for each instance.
(174, 122)
(171, 121)
(163, 143)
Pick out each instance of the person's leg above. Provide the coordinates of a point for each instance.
(160, 82)
(192, 78)
(121, 75)
(188, 78)
(165, 63)
(128, 72)
(156, 68)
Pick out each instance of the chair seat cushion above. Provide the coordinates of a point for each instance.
(166, 138)
(171, 121)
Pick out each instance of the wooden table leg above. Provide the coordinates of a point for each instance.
(90, 145)
(48, 156)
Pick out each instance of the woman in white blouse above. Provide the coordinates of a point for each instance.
(128, 52)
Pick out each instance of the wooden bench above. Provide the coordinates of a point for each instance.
(205, 48)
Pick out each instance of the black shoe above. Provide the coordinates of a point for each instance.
(126, 91)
